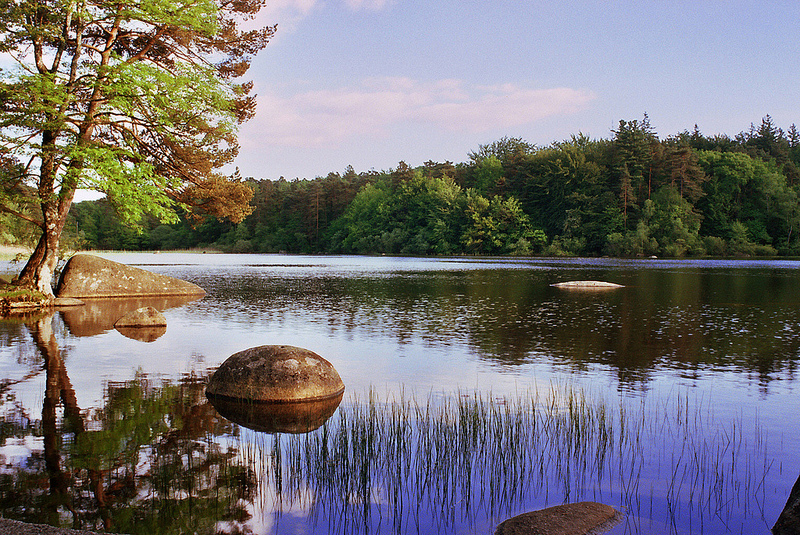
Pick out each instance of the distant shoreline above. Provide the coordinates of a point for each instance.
(8, 252)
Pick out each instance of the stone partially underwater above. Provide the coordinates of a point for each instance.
(276, 389)
(145, 324)
(587, 285)
(569, 519)
(88, 276)
(788, 522)
(275, 374)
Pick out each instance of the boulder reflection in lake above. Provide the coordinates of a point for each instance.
(269, 417)
(672, 398)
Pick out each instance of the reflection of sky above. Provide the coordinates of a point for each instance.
(421, 349)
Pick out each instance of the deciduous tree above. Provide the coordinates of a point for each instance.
(135, 99)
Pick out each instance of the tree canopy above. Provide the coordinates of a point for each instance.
(138, 100)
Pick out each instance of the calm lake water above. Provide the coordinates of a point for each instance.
(475, 391)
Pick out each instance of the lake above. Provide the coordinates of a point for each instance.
(475, 391)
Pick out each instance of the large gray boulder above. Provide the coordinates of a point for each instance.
(277, 374)
(87, 276)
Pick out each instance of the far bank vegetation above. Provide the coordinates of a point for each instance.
(633, 194)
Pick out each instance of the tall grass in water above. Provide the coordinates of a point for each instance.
(468, 461)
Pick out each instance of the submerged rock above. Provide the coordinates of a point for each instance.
(569, 519)
(275, 373)
(143, 334)
(87, 276)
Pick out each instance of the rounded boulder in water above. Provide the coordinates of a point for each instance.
(275, 373)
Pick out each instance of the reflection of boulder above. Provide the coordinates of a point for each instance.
(789, 521)
(295, 417)
(143, 334)
(145, 324)
(100, 315)
(275, 374)
(88, 276)
(142, 317)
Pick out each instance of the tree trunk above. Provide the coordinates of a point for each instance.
(38, 271)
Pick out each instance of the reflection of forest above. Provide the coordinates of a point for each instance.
(146, 462)
(157, 458)
(663, 318)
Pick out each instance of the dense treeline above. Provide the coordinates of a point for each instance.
(633, 194)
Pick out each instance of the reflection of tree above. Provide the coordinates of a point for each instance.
(663, 318)
(147, 462)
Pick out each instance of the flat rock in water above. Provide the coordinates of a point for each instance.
(67, 302)
(587, 285)
(569, 519)
(87, 276)
(275, 373)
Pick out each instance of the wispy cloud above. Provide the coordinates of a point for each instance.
(330, 117)
(370, 5)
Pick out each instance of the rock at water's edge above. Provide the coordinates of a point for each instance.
(87, 276)
(569, 519)
(275, 373)
(789, 521)
(63, 302)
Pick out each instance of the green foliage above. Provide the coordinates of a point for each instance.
(632, 195)
(135, 100)
(499, 227)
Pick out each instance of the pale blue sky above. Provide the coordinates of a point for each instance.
(371, 82)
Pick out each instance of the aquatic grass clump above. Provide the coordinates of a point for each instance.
(470, 460)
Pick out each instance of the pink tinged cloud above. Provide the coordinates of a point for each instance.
(330, 117)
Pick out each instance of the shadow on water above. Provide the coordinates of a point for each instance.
(158, 458)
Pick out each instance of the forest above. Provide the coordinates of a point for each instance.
(633, 194)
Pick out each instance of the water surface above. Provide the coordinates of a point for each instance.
(692, 366)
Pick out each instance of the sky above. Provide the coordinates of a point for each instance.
(370, 83)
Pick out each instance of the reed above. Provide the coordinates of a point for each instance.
(472, 459)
